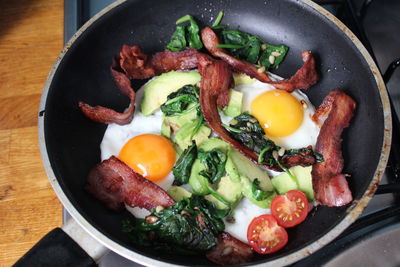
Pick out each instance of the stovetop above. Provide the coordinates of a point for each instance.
(373, 239)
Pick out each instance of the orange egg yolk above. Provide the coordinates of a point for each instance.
(279, 112)
(153, 156)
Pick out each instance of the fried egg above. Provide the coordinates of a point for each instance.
(285, 117)
(140, 145)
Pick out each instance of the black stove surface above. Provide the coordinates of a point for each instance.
(373, 239)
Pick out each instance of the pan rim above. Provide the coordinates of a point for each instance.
(353, 211)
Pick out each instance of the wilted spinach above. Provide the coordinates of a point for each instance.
(182, 101)
(188, 226)
(184, 35)
(272, 56)
(258, 194)
(246, 129)
(178, 40)
(214, 161)
(252, 49)
(184, 165)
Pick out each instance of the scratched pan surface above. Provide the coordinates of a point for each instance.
(70, 142)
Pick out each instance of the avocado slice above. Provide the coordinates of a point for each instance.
(283, 182)
(212, 143)
(183, 136)
(232, 170)
(304, 180)
(249, 170)
(229, 190)
(241, 78)
(234, 107)
(248, 193)
(157, 90)
(240, 166)
(176, 122)
(178, 193)
(199, 183)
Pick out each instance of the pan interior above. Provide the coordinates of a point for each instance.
(83, 75)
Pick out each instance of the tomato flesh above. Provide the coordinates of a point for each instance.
(290, 209)
(265, 236)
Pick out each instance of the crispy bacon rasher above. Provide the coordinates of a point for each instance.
(210, 41)
(304, 78)
(138, 65)
(107, 115)
(115, 184)
(329, 184)
(230, 251)
(216, 79)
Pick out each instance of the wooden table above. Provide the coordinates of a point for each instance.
(31, 36)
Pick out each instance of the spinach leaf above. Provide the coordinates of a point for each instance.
(248, 46)
(218, 20)
(192, 34)
(188, 226)
(272, 56)
(258, 194)
(246, 129)
(252, 49)
(184, 165)
(178, 40)
(185, 35)
(214, 161)
(182, 101)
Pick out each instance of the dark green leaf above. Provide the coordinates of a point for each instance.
(214, 161)
(192, 32)
(248, 47)
(178, 40)
(277, 54)
(182, 101)
(184, 165)
(258, 194)
(218, 20)
(246, 129)
(188, 226)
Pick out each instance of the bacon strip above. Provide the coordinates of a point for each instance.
(210, 41)
(138, 65)
(115, 184)
(230, 251)
(304, 78)
(107, 115)
(216, 80)
(330, 185)
(303, 159)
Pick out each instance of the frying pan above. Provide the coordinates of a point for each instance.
(70, 142)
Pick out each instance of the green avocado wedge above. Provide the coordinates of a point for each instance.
(157, 90)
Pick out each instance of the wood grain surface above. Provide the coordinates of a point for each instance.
(31, 36)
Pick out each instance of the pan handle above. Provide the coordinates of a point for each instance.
(66, 246)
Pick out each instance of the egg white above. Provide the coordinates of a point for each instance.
(242, 216)
(116, 135)
(308, 131)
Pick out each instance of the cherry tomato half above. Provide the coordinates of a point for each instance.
(290, 209)
(265, 236)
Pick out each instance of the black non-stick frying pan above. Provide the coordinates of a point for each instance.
(70, 142)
